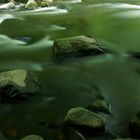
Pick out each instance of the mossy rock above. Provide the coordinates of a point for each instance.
(100, 106)
(84, 120)
(18, 84)
(76, 47)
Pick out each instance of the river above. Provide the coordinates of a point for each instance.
(26, 39)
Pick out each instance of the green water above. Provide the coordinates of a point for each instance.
(26, 40)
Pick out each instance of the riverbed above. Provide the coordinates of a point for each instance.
(26, 40)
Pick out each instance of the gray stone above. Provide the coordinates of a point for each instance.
(83, 119)
(134, 125)
(77, 46)
(100, 106)
(32, 137)
(18, 83)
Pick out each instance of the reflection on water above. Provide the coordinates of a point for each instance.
(26, 42)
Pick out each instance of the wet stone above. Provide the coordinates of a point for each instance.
(84, 120)
(76, 47)
(72, 134)
(100, 106)
(134, 125)
(18, 84)
(45, 3)
(32, 137)
(31, 4)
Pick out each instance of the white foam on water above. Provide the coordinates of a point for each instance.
(56, 28)
(51, 10)
(45, 10)
(5, 40)
(5, 16)
(117, 5)
(128, 14)
(124, 5)
(7, 6)
(73, 1)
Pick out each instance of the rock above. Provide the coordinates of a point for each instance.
(46, 3)
(77, 46)
(18, 84)
(32, 137)
(84, 120)
(134, 125)
(74, 135)
(100, 106)
(31, 4)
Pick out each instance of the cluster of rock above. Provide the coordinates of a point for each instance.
(88, 122)
(30, 5)
(79, 122)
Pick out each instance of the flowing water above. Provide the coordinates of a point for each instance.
(26, 39)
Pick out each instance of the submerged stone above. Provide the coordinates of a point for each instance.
(84, 120)
(100, 106)
(73, 135)
(134, 125)
(18, 84)
(32, 137)
(77, 46)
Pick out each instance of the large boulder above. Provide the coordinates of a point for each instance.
(77, 46)
(32, 137)
(100, 106)
(18, 84)
(84, 120)
(134, 125)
